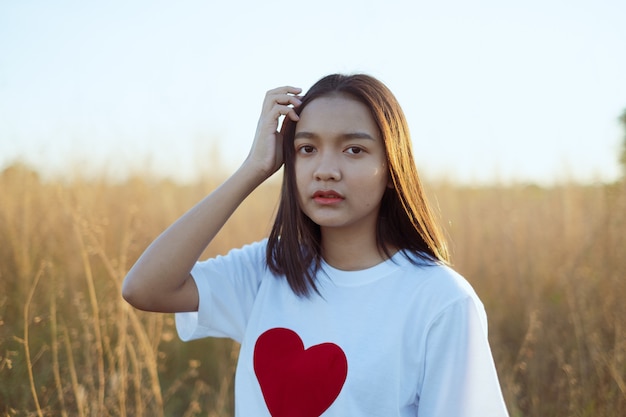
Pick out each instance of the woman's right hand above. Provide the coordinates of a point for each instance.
(266, 154)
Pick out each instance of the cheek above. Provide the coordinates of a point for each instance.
(371, 184)
(299, 181)
(378, 175)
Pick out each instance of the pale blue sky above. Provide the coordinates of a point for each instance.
(525, 90)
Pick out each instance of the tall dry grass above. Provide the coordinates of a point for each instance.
(548, 263)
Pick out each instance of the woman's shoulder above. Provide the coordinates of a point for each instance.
(252, 249)
(437, 278)
(248, 258)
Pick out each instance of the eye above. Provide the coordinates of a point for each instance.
(306, 149)
(354, 150)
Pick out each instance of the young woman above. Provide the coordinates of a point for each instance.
(348, 308)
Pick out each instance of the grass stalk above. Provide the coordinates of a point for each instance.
(55, 353)
(148, 354)
(26, 340)
(78, 391)
(122, 359)
(137, 370)
(95, 311)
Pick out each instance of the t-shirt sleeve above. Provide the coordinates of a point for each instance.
(227, 287)
(460, 378)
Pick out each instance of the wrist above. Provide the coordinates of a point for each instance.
(258, 170)
(253, 173)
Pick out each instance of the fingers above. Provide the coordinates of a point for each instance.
(266, 151)
(280, 110)
(281, 101)
(284, 90)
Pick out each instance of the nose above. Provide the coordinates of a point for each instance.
(327, 168)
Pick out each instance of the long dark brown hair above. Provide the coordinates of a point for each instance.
(405, 220)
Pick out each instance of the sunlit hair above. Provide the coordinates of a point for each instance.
(405, 220)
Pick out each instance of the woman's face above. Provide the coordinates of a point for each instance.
(340, 164)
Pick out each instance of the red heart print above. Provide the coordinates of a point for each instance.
(298, 382)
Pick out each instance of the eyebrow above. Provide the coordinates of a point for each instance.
(344, 136)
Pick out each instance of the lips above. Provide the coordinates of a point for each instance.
(327, 197)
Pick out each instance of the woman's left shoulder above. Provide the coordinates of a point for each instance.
(438, 278)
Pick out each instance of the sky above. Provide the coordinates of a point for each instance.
(493, 90)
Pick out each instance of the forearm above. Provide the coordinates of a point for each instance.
(160, 279)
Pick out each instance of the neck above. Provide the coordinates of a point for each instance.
(350, 252)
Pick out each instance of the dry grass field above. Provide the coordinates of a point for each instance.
(549, 264)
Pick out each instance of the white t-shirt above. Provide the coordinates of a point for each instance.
(393, 340)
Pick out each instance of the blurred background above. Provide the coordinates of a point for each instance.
(116, 117)
(526, 91)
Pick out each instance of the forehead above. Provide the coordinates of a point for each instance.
(337, 114)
